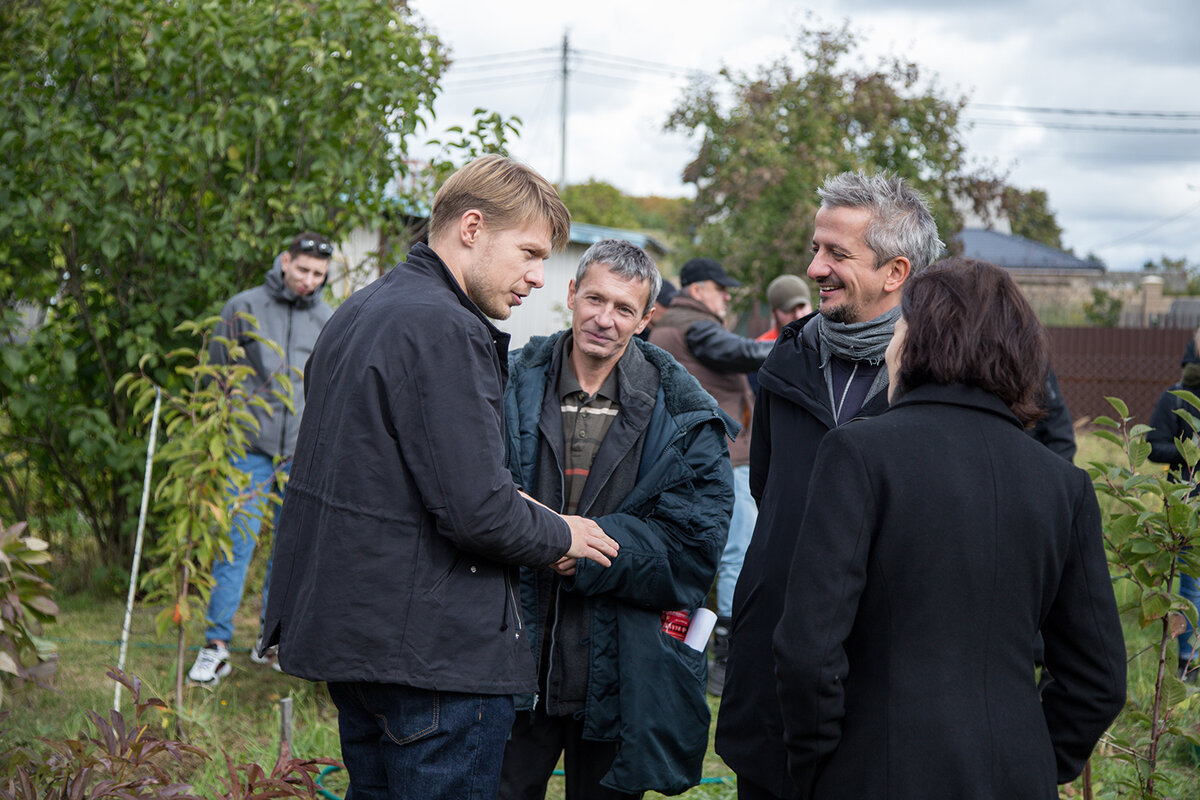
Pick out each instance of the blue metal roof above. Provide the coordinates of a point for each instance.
(1017, 252)
(583, 233)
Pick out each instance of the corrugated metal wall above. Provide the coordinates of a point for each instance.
(1134, 364)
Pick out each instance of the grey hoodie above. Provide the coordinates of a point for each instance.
(293, 322)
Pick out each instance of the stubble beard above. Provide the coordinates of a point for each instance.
(845, 313)
(484, 296)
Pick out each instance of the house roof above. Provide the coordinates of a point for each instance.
(1017, 252)
(583, 233)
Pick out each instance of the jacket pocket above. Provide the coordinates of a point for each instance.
(405, 714)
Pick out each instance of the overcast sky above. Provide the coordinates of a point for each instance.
(1128, 196)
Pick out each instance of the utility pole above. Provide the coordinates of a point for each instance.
(562, 152)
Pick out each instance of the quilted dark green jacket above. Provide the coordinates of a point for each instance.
(661, 485)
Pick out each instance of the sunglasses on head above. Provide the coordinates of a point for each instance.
(324, 249)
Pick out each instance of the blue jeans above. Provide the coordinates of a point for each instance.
(741, 528)
(1189, 588)
(402, 743)
(230, 576)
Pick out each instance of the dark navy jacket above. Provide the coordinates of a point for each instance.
(400, 520)
(666, 451)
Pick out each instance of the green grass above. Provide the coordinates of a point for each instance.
(241, 715)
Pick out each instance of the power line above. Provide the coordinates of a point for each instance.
(597, 79)
(471, 84)
(1091, 112)
(1070, 126)
(636, 64)
(1138, 234)
(491, 66)
(501, 56)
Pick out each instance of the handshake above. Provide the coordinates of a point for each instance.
(588, 540)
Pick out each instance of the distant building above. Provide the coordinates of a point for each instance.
(1050, 277)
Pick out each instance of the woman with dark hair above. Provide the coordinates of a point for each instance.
(938, 540)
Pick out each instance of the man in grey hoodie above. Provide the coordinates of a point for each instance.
(290, 312)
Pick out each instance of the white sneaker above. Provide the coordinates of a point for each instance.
(270, 657)
(211, 665)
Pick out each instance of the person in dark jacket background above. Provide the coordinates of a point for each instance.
(1055, 430)
(1169, 426)
(393, 579)
(693, 330)
(604, 425)
(938, 539)
(290, 312)
(871, 233)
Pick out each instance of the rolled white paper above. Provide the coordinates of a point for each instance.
(702, 624)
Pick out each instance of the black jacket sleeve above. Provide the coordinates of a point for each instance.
(1167, 427)
(1085, 647)
(1055, 430)
(448, 423)
(669, 557)
(719, 349)
(825, 584)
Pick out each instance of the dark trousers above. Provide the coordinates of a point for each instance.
(401, 743)
(532, 753)
(752, 791)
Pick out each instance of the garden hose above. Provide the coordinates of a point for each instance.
(328, 795)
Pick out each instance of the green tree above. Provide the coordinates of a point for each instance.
(154, 157)
(1151, 533)
(1030, 216)
(205, 422)
(763, 155)
(665, 214)
(600, 203)
(1103, 310)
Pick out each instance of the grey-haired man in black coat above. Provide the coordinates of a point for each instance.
(871, 233)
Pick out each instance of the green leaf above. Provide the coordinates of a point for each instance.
(1155, 605)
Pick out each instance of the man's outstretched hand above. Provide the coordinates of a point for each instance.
(588, 541)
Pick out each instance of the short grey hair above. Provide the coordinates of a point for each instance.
(625, 259)
(900, 225)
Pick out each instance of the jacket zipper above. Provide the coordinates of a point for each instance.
(516, 606)
(287, 360)
(562, 493)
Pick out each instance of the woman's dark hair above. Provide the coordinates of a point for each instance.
(968, 322)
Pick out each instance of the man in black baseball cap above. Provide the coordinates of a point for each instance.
(693, 330)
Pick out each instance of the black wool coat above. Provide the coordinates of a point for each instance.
(401, 524)
(938, 540)
(792, 415)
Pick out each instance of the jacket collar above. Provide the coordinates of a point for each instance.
(957, 394)
(690, 303)
(423, 258)
(278, 289)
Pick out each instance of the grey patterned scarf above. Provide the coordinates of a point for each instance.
(856, 341)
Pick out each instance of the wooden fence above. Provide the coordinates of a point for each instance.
(1134, 364)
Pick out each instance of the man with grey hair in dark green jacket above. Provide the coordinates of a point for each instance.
(604, 425)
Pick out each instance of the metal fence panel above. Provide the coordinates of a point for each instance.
(1134, 364)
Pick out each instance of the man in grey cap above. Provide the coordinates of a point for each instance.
(693, 330)
(790, 300)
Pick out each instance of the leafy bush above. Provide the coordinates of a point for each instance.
(132, 761)
(25, 604)
(1151, 530)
